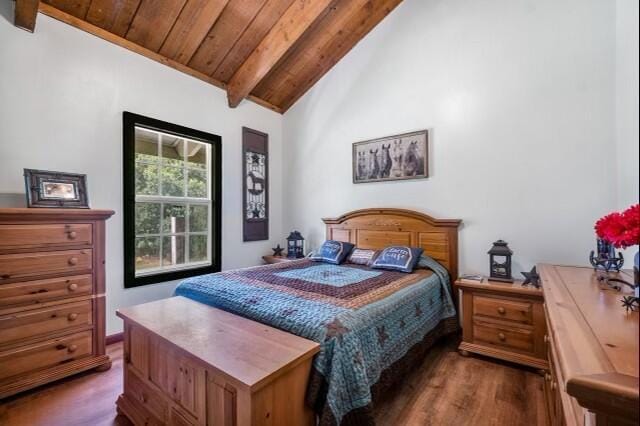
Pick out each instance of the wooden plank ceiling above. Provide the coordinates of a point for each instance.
(270, 51)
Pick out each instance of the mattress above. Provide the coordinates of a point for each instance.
(365, 320)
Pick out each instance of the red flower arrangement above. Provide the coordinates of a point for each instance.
(620, 229)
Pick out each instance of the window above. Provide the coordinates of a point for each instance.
(172, 209)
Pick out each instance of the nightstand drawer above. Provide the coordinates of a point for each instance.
(503, 336)
(502, 308)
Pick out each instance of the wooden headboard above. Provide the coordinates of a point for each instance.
(379, 228)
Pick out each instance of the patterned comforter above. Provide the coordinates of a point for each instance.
(364, 319)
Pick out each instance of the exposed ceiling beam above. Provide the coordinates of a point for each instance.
(285, 33)
(25, 14)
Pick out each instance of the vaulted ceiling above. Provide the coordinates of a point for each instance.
(270, 51)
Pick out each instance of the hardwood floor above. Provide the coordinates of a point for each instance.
(447, 389)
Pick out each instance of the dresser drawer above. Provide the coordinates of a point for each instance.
(39, 291)
(144, 395)
(27, 236)
(26, 265)
(516, 310)
(503, 336)
(45, 354)
(44, 321)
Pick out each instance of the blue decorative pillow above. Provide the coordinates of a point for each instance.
(333, 252)
(398, 258)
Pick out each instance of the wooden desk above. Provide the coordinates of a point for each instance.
(593, 350)
(187, 363)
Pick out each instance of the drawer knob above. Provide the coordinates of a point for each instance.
(546, 338)
(72, 348)
(554, 385)
(73, 261)
(501, 310)
(72, 287)
(547, 377)
(502, 337)
(72, 235)
(72, 316)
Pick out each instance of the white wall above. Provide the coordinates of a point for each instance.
(62, 93)
(519, 96)
(627, 12)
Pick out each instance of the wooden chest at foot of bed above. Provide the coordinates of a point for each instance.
(187, 363)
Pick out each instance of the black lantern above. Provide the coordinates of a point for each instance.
(295, 245)
(500, 262)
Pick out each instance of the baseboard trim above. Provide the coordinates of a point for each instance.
(114, 338)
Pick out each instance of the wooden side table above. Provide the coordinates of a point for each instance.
(269, 259)
(504, 321)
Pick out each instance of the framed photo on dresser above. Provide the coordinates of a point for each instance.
(56, 189)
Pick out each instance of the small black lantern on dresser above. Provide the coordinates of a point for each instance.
(295, 245)
(500, 262)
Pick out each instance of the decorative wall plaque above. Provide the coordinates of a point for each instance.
(255, 169)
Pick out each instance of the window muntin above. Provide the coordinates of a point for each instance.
(172, 191)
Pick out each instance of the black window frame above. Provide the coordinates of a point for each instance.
(130, 121)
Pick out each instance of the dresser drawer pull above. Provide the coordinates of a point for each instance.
(73, 261)
(72, 287)
(72, 317)
(72, 348)
(554, 385)
(502, 337)
(546, 338)
(72, 235)
(501, 310)
(547, 377)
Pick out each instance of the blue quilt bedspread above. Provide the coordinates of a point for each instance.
(364, 319)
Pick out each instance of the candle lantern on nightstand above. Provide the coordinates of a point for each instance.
(500, 262)
(295, 245)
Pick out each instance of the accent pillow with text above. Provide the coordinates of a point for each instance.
(398, 258)
(333, 252)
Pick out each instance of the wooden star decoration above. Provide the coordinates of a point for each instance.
(277, 250)
(531, 277)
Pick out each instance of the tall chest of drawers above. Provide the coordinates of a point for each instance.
(52, 295)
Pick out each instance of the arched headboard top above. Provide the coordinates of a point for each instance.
(382, 227)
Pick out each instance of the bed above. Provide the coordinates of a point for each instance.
(372, 325)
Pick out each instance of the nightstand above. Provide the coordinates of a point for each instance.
(504, 321)
(269, 259)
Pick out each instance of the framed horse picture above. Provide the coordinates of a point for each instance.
(398, 157)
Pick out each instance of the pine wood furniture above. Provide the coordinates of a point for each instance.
(52, 295)
(383, 227)
(504, 321)
(234, 371)
(593, 350)
(270, 259)
(187, 363)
